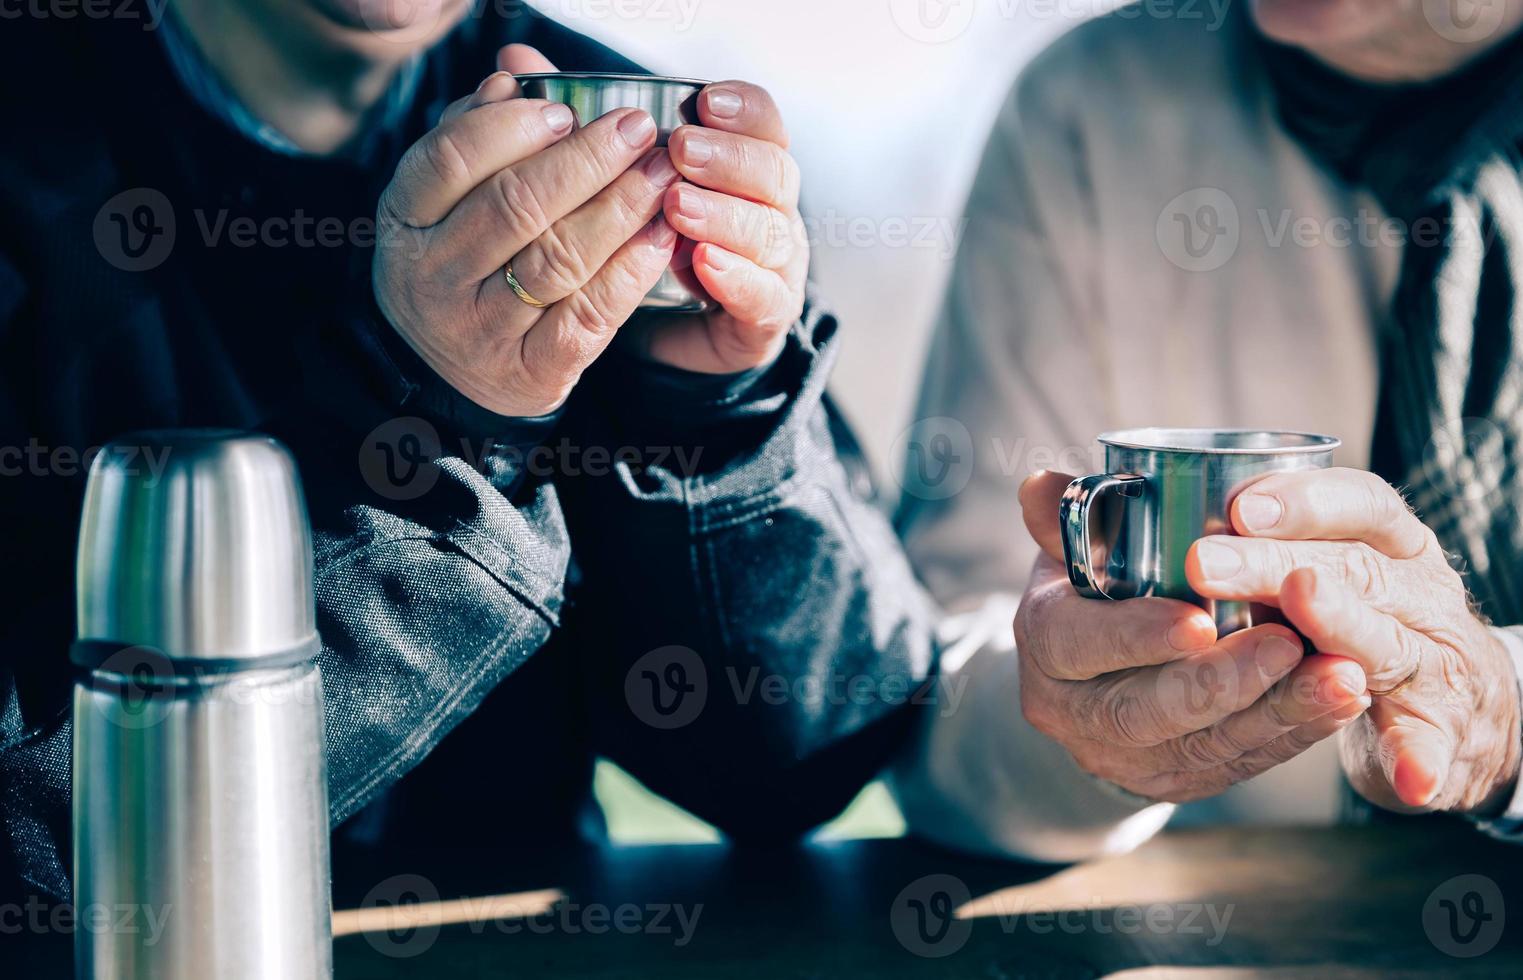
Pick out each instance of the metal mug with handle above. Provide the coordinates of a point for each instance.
(1126, 532)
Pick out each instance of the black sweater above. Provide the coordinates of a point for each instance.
(539, 586)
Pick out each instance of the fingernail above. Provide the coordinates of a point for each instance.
(724, 103)
(660, 170)
(718, 259)
(1353, 709)
(1260, 512)
(637, 128)
(662, 235)
(697, 150)
(560, 118)
(494, 86)
(1346, 682)
(1188, 635)
(690, 204)
(1277, 655)
(1217, 561)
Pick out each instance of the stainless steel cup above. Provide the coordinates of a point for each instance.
(200, 799)
(672, 102)
(1126, 532)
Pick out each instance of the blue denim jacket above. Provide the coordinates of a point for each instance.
(688, 576)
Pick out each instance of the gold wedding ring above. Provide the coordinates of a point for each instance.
(1401, 685)
(518, 288)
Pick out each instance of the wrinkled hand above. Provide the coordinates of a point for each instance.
(1355, 571)
(1144, 694)
(739, 206)
(577, 211)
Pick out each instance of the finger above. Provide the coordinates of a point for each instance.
(520, 59)
(1254, 569)
(743, 108)
(761, 234)
(497, 87)
(1188, 786)
(1151, 706)
(1041, 502)
(1317, 686)
(760, 301)
(573, 249)
(1415, 755)
(737, 165)
(574, 332)
(1071, 638)
(500, 218)
(1332, 505)
(1337, 620)
(454, 159)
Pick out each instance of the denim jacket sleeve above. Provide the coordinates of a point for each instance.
(753, 637)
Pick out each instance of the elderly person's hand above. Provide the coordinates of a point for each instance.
(1350, 566)
(1144, 694)
(740, 205)
(745, 244)
(576, 211)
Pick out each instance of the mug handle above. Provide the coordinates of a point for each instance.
(1078, 499)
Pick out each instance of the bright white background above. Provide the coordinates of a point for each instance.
(889, 103)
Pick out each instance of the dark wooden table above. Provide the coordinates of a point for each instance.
(1379, 902)
(1427, 900)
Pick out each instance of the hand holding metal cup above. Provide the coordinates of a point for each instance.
(1167, 691)
(517, 240)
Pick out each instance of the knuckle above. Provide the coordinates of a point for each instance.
(789, 178)
(559, 265)
(587, 317)
(1366, 573)
(1035, 624)
(776, 234)
(1281, 704)
(443, 158)
(1379, 501)
(1125, 717)
(1197, 751)
(520, 203)
(1170, 788)
(543, 380)
(600, 158)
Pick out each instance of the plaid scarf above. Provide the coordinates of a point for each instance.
(1446, 159)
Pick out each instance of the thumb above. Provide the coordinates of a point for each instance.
(520, 59)
(1041, 498)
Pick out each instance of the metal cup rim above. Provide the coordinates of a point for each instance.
(1168, 440)
(600, 76)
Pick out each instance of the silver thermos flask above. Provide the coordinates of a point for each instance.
(200, 797)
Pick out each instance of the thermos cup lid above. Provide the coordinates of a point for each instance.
(195, 544)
